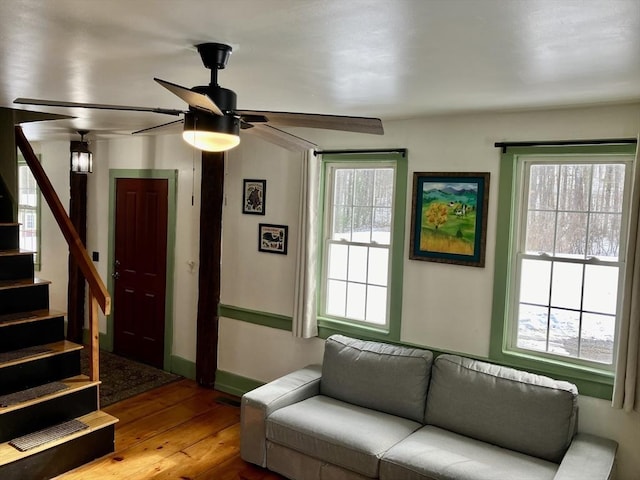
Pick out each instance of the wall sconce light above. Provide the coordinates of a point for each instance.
(81, 156)
(212, 133)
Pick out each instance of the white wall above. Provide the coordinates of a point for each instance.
(54, 257)
(433, 315)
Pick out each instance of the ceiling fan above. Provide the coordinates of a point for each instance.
(212, 122)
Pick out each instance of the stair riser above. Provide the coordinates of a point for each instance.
(62, 458)
(28, 334)
(9, 237)
(16, 267)
(24, 299)
(45, 414)
(19, 377)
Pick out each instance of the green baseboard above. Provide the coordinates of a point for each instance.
(185, 368)
(233, 384)
(179, 365)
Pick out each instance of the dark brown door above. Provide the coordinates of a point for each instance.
(140, 269)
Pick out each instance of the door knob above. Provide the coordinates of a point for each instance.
(116, 275)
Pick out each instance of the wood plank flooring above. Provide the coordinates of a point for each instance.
(178, 431)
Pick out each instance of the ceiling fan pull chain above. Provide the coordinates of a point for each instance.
(193, 172)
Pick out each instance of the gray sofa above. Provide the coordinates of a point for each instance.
(374, 410)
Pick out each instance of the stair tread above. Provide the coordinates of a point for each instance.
(33, 440)
(54, 348)
(31, 316)
(74, 384)
(24, 282)
(94, 421)
(26, 317)
(15, 252)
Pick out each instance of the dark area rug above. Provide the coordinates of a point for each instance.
(123, 378)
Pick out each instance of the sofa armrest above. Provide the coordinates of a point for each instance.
(589, 458)
(258, 404)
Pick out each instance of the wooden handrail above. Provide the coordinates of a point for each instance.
(76, 247)
(98, 293)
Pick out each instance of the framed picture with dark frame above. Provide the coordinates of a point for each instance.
(273, 238)
(254, 193)
(449, 217)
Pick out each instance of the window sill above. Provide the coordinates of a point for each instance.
(330, 326)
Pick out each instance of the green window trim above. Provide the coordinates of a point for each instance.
(328, 326)
(590, 381)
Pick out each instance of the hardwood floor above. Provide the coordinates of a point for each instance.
(178, 431)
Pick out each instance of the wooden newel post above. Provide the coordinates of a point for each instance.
(94, 365)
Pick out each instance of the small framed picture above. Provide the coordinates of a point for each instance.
(253, 196)
(273, 238)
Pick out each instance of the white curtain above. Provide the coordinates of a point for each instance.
(626, 390)
(305, 324)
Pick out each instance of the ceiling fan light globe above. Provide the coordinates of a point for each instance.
(212, 133)
(210, 141)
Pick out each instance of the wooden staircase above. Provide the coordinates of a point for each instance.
(35, 355)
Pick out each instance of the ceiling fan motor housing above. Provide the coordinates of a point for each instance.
(224, 98)
(196, 120)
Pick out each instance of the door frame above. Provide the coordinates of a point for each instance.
(172, 177)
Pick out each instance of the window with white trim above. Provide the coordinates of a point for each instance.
(567, 256)
(29, 211)
(359, 237)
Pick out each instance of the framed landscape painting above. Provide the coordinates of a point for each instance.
(449, 217)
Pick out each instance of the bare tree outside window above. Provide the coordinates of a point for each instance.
(358, 243)
(569, 266)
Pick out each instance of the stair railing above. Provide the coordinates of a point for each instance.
(98, 293)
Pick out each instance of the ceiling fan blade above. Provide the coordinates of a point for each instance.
(98, 106)
(24, 116)
(281, 138)
(316, 120)
(160, 128)
(195, 99)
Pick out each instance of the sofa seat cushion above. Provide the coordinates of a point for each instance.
(388, 378)
(337, 432)
(432, 453)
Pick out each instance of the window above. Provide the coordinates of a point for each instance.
(560, 256)
(363, 239)
(28, 211)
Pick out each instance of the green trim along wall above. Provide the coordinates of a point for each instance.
(236, 385)
(106, 341)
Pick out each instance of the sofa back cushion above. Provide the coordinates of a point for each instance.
(375, 375)
(510, 408)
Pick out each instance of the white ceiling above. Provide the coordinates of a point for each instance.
(383, 58)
